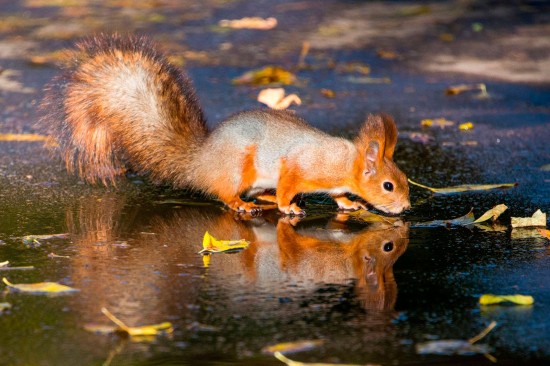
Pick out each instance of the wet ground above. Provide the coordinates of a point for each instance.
(134, 249)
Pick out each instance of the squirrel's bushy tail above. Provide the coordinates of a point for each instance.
(121, 104)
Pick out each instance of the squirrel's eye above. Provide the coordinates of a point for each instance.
(388, 247)
(388, 186)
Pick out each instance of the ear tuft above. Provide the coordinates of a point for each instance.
(390, 132)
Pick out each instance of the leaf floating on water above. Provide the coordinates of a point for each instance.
(34, 240)
(142, 331)
(41, 287)
(213, 245)
(4, 266)
(290, 362)
(538, 219)
(465, 187)
(267, 75)
(290, 347)
(492, 214)
(488, 299)
(465, 220)
(53, 255)
(275, 98)
(250, 23)
(450, 347)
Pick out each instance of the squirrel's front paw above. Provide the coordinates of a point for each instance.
(345, 204)
(293, 209)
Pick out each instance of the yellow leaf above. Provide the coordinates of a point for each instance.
(4, 264)
(465, 220)
(250, 23)
(457, 89)
(213, 245)
(265, 76)
(290, 362)
(466, 126)
(145, 330)
(22, 137)
(328, 93)
(289, 347)
(538, 219)
(41, 287)
(438, 122)
(465, 187)
(493, 213)
(489, 299)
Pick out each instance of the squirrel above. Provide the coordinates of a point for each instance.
(121, 105)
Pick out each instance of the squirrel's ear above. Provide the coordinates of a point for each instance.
(390, 130)
(372, 139)
(373, 152)
(372, 158)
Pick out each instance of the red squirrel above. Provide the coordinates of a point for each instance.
(120, 104)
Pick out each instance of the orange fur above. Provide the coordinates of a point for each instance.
(121, 105)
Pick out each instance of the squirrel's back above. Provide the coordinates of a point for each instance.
(121, 104)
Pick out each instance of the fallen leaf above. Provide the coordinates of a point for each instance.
(249, 23)
(328, 93)
(368, 80)
(53, 255)
(465, 187)
(545, 168)
(465, 220)
(449, 347)
(41, 287)
(24, 137)
(4, 266)
(290, 347)
(4, 306)
(145, 330)
(290, 362)
(488, 299)
(275, 98)
(353, 67)
(387, 55)
(544, 232)
(492, 214)
(466, 126)
(461, 88)
(416, 137)
(33, 239)
(213, 245)
(438, 122)
(538, 219)
(265, 76)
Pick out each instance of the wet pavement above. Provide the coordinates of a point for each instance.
(133, 249)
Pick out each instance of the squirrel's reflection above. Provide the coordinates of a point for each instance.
(142, 259)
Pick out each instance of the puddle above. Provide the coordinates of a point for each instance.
(370, 291)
